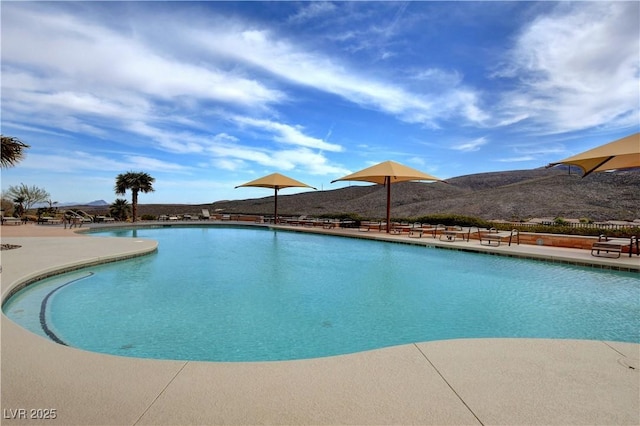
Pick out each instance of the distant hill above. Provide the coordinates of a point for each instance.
(510, 195)
(97, 203)
(519, 194)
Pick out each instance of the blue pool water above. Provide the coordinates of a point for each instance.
(249, 294)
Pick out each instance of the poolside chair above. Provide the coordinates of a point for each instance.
(452, 233)
(368, 226)
(365, 226)
(613, 247)
(399, 228)
(8, 220)
(416, 230)
(205, 214)
(492, 236)
(331, 223)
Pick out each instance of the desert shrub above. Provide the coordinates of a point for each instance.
(560, 221)
(148, 217)
(342, 216)
(569, 230)
(452, 220)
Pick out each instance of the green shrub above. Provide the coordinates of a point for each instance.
(148, 217)
(452, 220)
(342, 216)
(560, 221)
(569, 230)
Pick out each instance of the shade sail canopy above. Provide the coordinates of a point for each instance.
(620, 154)
(386, 173)
(277, 182)
(396, 172)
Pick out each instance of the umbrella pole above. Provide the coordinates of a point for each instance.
(275, 211)
(388, 182)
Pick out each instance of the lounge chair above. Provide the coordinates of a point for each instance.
(50, 220)
(495, 237)
(452, 233)
(100, 219)
(416, 230)
(295, 221)
(368, 226)
(613, 247)
(331, 223)
(399, 228)
(205, 215)
(365, 226)
(7, 220)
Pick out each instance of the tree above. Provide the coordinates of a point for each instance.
(18, 207)
(27, 196)
(12, 151)
(136, 182)
(119, 209)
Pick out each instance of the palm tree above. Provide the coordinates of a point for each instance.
(12, 151)
(136, 182)
(119, 209)
(19, 206)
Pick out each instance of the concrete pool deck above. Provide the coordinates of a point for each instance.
(471, 381)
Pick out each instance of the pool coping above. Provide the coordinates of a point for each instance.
(467, 381)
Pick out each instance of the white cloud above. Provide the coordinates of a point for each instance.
(261, 48)
(96, 57)
(77, 161)
(470, 146)
(516, 159)
(288, 134)
(234, 156)
(138, 162)
(577, 68)
(312, 10)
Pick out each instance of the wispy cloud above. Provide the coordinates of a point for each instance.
(519, 159)
(577, 68)
(283, 58)
(78, 161)
(287, 134)
(313, 10)
(470, 146)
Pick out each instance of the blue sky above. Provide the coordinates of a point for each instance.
(205, 96)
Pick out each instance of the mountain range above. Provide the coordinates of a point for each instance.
(507, 195)
(510, 195)
(96, 203)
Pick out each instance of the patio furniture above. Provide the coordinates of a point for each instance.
(613, 247)
(454, 232)
(11, 220)
(495, 237)
(606, 250)
(399, 228)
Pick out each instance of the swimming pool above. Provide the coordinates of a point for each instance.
(256, 294)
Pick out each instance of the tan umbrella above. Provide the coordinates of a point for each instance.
(620, 154)
(386, 173)
(277, 182)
